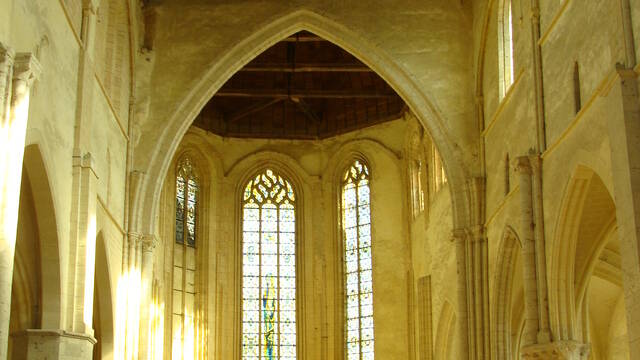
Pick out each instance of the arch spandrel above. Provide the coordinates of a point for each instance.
(176, 98)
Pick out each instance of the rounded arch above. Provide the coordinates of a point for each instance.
(163, 147)
(36, 169)
(583, 227)
(502, 298)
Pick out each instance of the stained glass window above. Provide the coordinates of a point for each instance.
(184, 290)
(268, 269)
(356, 223)
(186, 203)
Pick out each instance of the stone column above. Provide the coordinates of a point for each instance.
(473, 283)
(12, 134)
(544, 330)
(624, 132)
(531, 327)
(149, 243)
(536, 342)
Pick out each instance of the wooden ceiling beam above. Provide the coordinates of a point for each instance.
(301, 68)
(304, 38)
(309, 94)
(306, 109)
(252, 109)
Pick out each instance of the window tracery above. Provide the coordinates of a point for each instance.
(268, 269)
(184, 291)
(356, 223)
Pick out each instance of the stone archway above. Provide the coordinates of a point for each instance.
(154, 153)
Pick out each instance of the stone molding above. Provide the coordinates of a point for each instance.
(557, 350)
(6, 58)
(26, 68)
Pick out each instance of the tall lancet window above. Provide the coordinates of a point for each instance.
(268, 269)
(505, 48)
(356, 224)
(184, 263)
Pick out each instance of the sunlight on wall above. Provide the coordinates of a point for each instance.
(12, 136)
(89, 272)
(127, 315)
(156, 330)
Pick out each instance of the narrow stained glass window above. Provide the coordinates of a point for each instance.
(186, 204)
(184, 323)
(268, 269)
(356, 223)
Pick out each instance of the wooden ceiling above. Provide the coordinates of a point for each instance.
(303, 87)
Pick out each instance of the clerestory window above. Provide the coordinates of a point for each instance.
(505, 46)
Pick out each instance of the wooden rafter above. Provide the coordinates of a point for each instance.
(311, 94)
(300, 68)
(252, 109)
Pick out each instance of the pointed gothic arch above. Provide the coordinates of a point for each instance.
(164, 146)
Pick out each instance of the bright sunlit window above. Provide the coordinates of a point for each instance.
(268, 269)
(505, 48)
(356, 223)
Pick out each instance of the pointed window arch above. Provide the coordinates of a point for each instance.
(186, 326)
(505, 46)
(356, 229)
(268, 268)
(186, 203)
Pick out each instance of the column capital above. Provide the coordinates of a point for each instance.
(523, 165)
(6, 57)
(561, 350)
(90, 5)
(459, 235)
(149, 242)
(26, 68)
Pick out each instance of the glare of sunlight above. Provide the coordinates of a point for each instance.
(89, 271)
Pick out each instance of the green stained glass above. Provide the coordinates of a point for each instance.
(356, 226)
(268, 269)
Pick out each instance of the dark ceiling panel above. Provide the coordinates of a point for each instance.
(303, 87)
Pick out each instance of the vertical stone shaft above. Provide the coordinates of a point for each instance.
(531, 325)
(544, 331)
(14, 91)
(148, 245)
(8, 226)
(83, 244)
(624, 130)
(473, 294)
(459, 239)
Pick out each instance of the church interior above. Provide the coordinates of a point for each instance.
(319, 179)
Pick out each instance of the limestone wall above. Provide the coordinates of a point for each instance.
(317, 168)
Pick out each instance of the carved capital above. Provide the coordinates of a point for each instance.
(134, 238)
(90, 5)
(459, 235)
(557, 350)
(149, 243)
(6, 58)
(523, 165)
(26, 68)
